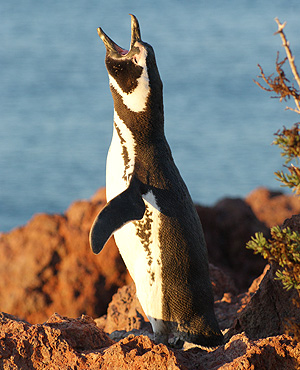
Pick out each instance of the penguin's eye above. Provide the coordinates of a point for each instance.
(134, 59)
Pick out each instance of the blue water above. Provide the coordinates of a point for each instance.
(56, 108)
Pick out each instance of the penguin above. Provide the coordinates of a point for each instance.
(149, 209)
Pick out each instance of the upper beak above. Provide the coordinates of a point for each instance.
(111, 46)
(135, 30)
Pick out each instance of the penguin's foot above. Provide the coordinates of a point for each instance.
(161, 338)
(173, 342)
(176, 343)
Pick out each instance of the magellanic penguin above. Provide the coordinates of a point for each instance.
(149, 209)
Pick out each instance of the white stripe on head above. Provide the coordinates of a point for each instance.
(137, 99)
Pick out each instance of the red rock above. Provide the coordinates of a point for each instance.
(293, 223)
(240, 352)
(230, 305)
(140, 353)
(124, 311)
(271, 207)
(269, 307)
(228, 226)
(48, 266)
(63, 343)
(221, 282)
(55, 344)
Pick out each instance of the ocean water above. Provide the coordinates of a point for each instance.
(56, 110)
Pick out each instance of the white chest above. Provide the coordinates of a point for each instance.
(120, 159)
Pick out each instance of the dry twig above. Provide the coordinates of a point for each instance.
(288, 51)
(291, 60)
(279, 84)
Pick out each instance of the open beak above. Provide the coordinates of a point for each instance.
(112, 47)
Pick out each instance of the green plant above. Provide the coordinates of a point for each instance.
(289, 141)
(283, 247)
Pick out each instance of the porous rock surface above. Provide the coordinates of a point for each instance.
(63, 343)
(267, 311)
(76, 344)
(47, 266)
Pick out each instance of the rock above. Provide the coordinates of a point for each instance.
(225, 297)
(48, 266)
(231, 304)
(268, 308)
(140, 352)
(240, 352)
(228, 226)
(293, 223)
(272, 207)
(64, 343)
(124, 312)
(56, 343)
(221, 282)
(278, 352)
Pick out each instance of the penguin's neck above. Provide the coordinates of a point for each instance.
(147, 124)
(133, 151)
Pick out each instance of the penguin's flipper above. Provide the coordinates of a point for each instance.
(127, 206)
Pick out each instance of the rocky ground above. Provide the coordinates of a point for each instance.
(47, 266)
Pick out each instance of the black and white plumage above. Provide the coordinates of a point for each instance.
(149, 210)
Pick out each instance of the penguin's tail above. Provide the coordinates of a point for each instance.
(212, 340)
(205, 331)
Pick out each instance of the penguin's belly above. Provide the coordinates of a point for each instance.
(139, 246)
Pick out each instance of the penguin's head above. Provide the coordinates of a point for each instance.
(133, 73)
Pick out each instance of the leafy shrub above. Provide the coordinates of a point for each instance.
(284, 245)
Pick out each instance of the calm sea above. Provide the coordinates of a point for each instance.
(56, 108)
